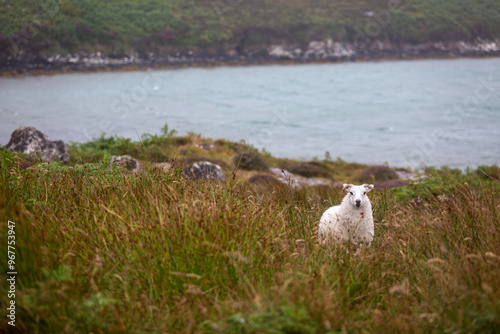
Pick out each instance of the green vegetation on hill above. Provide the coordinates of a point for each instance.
(161, 26)
(102, 251)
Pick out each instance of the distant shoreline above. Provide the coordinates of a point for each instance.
(41, 66)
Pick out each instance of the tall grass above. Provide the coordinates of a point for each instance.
(100, 251)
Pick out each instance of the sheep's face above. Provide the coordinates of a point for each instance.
(356, 195)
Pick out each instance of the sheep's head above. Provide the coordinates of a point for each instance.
(356, 195)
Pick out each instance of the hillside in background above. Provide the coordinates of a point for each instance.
(30, 28)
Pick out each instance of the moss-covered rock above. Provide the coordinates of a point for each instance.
(30, 141)
(308, 170)
(204, 170)
(126, 162)
(250, 161)
(196, 158)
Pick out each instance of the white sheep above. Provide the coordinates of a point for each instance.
(352, 220)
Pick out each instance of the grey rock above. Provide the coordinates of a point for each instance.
(410, 176)
(205, 146)
(126, 162)
(204, 170)
(29, 140)
(315, 50)
(164, 166)
(295, 181)
(280, 52)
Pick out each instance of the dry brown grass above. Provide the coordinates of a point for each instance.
(102, 252)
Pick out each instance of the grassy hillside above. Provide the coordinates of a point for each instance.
(63, 26)
(102, 251)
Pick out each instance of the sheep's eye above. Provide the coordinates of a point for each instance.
(364, 193)
(350, 192)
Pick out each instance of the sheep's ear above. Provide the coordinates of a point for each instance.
(368, 187)
(346, 186)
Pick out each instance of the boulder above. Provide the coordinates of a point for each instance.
(31, 141)
(295, 181)
(204, 170)
(191, 160)
(250, 161)
(126, 162)
(307, 170)
(163, 166)
(285, 177)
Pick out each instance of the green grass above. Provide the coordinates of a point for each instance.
(100, 251)
(116, 27)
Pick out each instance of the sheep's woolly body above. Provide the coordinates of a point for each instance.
(349, 221)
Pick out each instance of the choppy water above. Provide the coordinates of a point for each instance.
(436, 112)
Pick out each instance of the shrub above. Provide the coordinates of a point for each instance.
(378, 173)
(236, 147)
(150, 147)
(179, 141)
(489, 172)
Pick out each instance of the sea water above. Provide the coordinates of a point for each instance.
(404, 113)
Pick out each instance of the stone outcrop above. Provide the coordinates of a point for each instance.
(163, 166)
(126, 162)
(30, 141)
(295, 181)
(363, 48)
(374, 48)
(204, 170)
(315, 50)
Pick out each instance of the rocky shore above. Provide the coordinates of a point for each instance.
(201, 163)
(315, 51)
